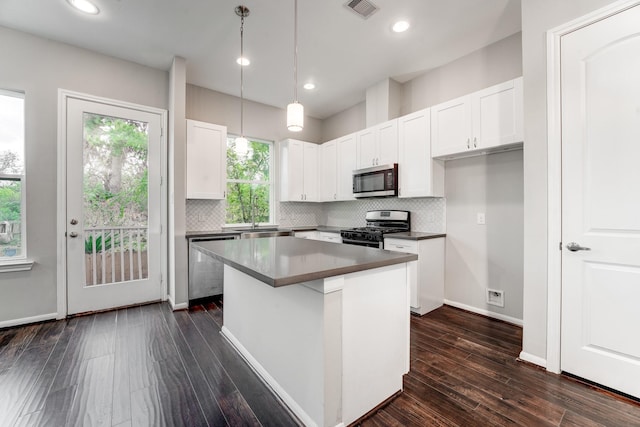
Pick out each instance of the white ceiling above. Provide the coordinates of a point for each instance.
(338, 50)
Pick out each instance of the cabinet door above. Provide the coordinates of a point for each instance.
(366, 140)
(327, 175)
(497, 115)
(291, 171)
(451, 126)
(347, 163)
(206, 160)
(310, 172)
(387, 142)
(419, 174)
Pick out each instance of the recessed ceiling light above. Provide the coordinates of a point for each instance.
(309, 86)
(244, 61)
(400, 26)
(85, 6)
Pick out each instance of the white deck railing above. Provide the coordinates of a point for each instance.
(115, 254)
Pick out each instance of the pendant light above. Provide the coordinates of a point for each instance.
(241, 143)
(295, 110)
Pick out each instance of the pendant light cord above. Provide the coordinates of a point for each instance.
(295, 51)
(241, 76)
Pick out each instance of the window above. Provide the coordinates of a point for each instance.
(12, 213)
(250, 192)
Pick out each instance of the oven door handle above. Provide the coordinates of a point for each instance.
(367, 243)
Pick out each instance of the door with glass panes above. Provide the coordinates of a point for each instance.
(113, 209)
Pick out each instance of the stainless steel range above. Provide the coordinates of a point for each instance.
(379, 223)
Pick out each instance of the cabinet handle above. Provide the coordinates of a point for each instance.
(475, 140)
(335, 196)
(468, 142)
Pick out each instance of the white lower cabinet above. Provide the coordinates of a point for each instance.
(426, 275)
(311, 235)
(327, 236)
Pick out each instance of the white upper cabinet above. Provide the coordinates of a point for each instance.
(206, 160)
(419, 174)
(346, 159)
(378, 145)
(328, 173)
(298, 171)
(484, 121)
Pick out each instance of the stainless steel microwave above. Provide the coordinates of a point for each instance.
(377, 181)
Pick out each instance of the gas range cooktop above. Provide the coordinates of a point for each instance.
(378, 224)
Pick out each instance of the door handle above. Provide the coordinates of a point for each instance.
(73, 234)
(574, 247)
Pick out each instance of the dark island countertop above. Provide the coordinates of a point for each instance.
(281, 261)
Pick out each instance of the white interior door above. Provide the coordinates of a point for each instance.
(601, 202)
(113, 206)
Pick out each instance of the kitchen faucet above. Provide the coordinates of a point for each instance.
(253, 199)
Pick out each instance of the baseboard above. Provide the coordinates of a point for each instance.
(533, 359)
(176, 307)
(26, 320)
(493, 315)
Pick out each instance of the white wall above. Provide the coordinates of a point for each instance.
(539, 16)
(177, 271)
(345, 122)
(39, 67)
(260, 120)
(496, 63)
(491, 255)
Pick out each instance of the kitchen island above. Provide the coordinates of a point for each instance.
(325, 325)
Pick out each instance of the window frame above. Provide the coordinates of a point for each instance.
(19, 262)
(271, 182)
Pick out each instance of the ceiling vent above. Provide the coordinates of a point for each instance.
(363, 8)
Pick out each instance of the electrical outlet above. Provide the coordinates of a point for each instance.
(495, 297)
(480, 218)
(202, 217)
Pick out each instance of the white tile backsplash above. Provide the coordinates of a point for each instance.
(427, 214)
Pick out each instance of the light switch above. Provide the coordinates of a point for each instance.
(480, 218)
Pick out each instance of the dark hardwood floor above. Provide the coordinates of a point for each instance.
(149, 366)
(464, 372)
(140, 366)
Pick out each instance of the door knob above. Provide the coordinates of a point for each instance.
(574, 247)
(73, 221)
(73, 234)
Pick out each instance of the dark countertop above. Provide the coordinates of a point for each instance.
(280, 261)
(414, 235)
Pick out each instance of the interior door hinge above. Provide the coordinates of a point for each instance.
(161, 131)
(560, 246)
(160, 277)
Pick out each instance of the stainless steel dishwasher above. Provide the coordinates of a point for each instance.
(206, 274)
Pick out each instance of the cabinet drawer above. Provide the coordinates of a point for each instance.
(330, 237)
(313, 235)
(401, 245)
